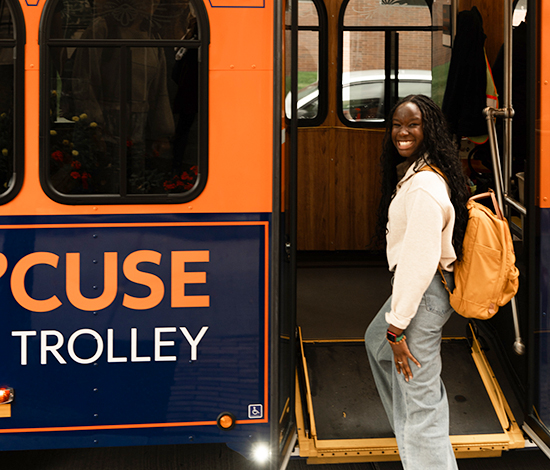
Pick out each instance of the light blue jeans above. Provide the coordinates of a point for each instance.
(418, 410)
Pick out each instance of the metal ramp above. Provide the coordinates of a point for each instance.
(340, 416)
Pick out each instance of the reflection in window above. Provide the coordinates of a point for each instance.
(363, 76)
(7, 97)
(386, 54)
(309, 54)
(124, 116)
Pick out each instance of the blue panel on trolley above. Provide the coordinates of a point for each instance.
(542, 328)
(178, 337)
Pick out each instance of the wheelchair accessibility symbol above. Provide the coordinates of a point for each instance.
(255, 411)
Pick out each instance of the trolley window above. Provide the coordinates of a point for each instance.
(312, 68)
(11, 99)
(124, 107)
(385, 54)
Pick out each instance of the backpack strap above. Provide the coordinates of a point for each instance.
(443, 280)
(440, 173)
(490, 194)
(434, 169)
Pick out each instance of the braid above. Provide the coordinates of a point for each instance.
(442, 153)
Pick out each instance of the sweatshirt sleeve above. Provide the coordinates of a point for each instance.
(419, 256)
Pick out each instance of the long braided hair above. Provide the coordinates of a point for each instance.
(442, 153)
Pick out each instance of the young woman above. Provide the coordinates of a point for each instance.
(423, 214)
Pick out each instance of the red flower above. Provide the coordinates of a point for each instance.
(186, 177)
(76, 165)
(179, 183)
(75, 175)
(187, 186)
(194, 169)
(57, 156)
(168, 185)
(86, 175)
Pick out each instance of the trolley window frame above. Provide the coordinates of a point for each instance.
(322, 30)
(387, 30)
(17, 43)
(202, 45)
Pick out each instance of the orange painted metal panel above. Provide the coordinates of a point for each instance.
(240, 115)
(241, 38)
(241, 140)
(543, 127)
(238, 3)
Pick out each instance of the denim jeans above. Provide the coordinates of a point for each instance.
(418, 410)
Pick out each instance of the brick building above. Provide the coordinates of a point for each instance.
(364, 50)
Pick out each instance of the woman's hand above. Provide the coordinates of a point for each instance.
(401, 356)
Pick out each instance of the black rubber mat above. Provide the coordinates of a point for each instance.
(346, 404)
(340, 302)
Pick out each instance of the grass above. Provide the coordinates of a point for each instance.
(304, 79)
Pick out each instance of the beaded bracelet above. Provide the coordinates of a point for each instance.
(399, 339)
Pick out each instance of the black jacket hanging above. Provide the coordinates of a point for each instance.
(465, 94)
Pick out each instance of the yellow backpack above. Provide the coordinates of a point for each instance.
(486, 278)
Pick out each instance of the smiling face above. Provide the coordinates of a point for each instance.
(407, 132)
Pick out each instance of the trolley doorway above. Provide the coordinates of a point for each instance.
(342, 276)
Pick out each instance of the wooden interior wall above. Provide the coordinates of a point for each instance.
(338, 174)
(492, 12)
(338, 188)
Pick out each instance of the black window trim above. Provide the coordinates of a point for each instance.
(322, 29)
(340, 66)
(18, 43)
(106, 199)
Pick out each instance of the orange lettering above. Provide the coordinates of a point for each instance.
(109, 285)
(3, 264)
(147, 279)
(180, 277)
(18, 282)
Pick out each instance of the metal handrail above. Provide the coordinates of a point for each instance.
(502, 188)
(491, 113)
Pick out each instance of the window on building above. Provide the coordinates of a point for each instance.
(385, 54)
(11, 99)
(125, 101)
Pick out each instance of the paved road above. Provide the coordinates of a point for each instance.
(218, 457)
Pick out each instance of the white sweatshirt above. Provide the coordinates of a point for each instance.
(420, 230)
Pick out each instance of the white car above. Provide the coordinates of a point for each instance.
(363, 94)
